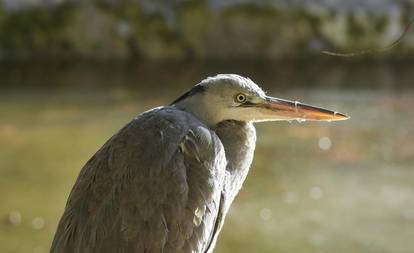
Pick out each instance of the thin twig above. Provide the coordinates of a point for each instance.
(373, 50)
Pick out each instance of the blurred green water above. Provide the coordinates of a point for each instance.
(313, 187)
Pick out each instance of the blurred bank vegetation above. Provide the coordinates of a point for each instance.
(198, 30)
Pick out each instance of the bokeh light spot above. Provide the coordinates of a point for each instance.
(325, 143)
(15, 218)
(315, 192)
(38, 223)
(265, 214)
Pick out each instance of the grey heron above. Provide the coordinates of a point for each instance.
(165, 181)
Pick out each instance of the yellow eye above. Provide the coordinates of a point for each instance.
(240, 98)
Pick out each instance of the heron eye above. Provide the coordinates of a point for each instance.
(240, 98)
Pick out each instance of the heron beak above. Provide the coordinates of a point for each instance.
(291, 110)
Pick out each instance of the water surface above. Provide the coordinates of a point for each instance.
(313, 187)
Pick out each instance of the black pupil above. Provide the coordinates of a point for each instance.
(241, 98)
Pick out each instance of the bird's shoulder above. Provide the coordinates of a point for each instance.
(162, 173)
(164, 129)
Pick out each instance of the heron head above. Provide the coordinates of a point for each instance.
(233, 97)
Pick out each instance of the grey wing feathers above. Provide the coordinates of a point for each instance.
(155, 186)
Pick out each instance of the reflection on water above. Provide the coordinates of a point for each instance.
(313, 187)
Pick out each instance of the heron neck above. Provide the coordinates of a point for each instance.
(203, 110)
(239, 141)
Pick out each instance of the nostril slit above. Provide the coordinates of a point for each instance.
(296, 106)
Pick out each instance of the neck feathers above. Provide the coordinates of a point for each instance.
(239, 141)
